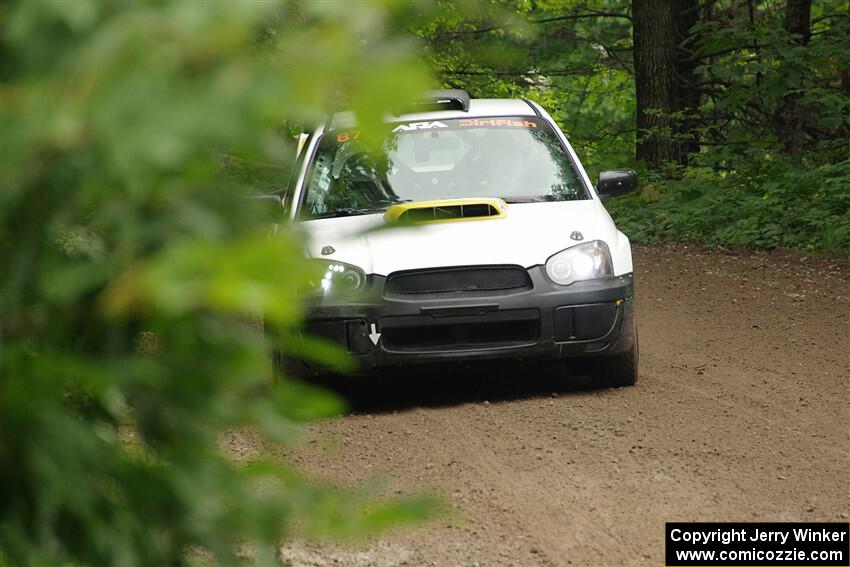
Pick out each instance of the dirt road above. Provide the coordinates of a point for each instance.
(742, 412)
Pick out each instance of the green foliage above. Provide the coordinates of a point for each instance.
(768, 204)
(755, 71)
(133, 262)
(750, 185)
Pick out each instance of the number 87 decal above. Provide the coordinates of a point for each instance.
(348, 136)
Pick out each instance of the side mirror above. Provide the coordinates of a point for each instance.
(616, 182)
(269, 208)
(275, 201)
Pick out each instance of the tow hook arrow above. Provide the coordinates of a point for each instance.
(374, 335)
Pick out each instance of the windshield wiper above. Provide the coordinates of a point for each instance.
(345, 212)
(529, 199)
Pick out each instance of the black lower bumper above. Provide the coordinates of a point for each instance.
(544, 321)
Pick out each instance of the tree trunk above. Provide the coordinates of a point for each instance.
(845, 78)
(798, 19)
(798, 22)
(655, 80)
(686, 15)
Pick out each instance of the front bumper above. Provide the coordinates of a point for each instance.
(543, 321)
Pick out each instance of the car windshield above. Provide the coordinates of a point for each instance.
(519, 159)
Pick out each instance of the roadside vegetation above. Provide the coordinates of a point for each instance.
(133, 261)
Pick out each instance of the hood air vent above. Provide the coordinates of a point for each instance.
(447, 210)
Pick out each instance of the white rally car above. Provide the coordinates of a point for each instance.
(475, 234)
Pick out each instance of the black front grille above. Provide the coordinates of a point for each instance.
(462, 279)
(428, 334)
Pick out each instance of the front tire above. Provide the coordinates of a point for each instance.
(284, 367)
(617, 370)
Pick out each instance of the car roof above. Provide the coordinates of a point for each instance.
(478, 108)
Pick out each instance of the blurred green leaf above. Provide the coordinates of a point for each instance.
(137, 269)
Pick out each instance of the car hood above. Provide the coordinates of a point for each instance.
(526, 236)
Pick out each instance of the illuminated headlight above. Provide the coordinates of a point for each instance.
(587, 261)
(337, 278)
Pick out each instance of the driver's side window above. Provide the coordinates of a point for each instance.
(320, 182)
(345, 176)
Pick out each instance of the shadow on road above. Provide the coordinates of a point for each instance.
(446, 385)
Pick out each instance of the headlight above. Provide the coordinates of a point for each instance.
(587, 261)
(338, 278)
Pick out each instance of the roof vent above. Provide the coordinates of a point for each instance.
(442, 99)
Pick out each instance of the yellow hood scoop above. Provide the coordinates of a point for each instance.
(447, 210)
